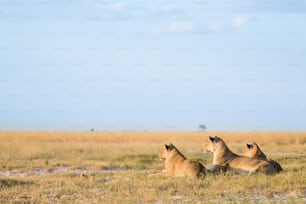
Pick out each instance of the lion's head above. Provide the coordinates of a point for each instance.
(163, 154)
(253, 151)
(213, 144)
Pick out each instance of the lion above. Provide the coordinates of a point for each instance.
(253, 151)
(224, 158)
(177, 165)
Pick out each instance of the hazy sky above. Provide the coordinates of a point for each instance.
(152, 65)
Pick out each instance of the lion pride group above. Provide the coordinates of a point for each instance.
(224, 160)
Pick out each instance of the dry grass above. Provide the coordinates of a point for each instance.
(45, 167)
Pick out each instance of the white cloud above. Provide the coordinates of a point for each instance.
(180, 27)
(241, 21)
(165, 8)
(214, 26)
(175, 27)
(111, 6)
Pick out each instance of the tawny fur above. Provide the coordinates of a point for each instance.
(253, 151)
(176, 163)
(224, 157)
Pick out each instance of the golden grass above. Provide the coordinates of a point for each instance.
(134, 155)
(34, 145)
(271, 138)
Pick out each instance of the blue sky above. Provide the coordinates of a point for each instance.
(152, 65)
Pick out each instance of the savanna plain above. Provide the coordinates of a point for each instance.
(124, 167)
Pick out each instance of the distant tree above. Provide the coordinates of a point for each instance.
(202, 127)
(92, 129)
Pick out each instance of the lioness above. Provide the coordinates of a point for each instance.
(224, 157)
(253, 151)
(177, 164)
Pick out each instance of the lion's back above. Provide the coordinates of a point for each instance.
(184, 168)
(251, 165)
(193, 168)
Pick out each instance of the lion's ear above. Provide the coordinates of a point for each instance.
(171, 146)
(249, 146)
(211, 138)
(167, 147)
(217, 139)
